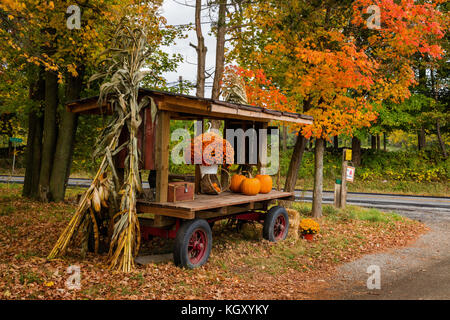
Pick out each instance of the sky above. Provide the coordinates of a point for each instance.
(176, 13)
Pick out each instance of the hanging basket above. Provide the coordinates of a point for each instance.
(211, 184)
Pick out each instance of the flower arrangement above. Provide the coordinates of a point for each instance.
(210, 148)
(309, 226)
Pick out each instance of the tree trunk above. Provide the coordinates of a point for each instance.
(49, 134)
(373, 142)
(297, 155)
(335, 143)
(421, 139)
(356, 151)
(34, 142)
(66, 140)
(220, 56)
(220, 49)
(32, 117)
(32, 167)
(318, 178)
(378, 142)
(294, 165)
(201, 51)
(36, 158)
(441, 142)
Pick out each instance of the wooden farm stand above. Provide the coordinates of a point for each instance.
(189, 222)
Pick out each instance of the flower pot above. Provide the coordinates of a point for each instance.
(308, 236)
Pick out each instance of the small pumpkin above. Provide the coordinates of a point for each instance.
(266, 182)
(250, 186)
(236, 182)
(216, 187)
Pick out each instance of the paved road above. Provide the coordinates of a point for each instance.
(386, 201)
(372, 200)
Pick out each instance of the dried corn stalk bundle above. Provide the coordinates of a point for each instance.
(119, 89)
(236, 91)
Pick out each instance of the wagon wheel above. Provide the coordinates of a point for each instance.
(193, 244)
(276, 224)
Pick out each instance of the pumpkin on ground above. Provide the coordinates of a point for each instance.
(250, 186)
(236, 182)
(266, 182)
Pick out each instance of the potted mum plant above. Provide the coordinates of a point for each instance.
(309, 228)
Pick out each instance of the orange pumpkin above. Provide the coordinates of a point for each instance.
(266, 182)
(236, 182)
(250, 186)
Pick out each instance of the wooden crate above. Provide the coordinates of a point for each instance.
(180, 191)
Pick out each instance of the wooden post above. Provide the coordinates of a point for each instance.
(262, 148)
(344, 181)
(162, 155)
(198, 176)
(337, 194)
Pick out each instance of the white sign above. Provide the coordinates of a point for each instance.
(350, 175)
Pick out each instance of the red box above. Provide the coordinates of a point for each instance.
(180, 191)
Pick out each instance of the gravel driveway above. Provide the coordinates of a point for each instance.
(419, 271)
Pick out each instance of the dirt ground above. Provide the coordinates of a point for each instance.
(420, 271)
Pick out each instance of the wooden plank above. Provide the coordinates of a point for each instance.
(225, 199)
(89, 107)
(214, 115)
(182, 102)
(248, 114)
(170, 212)
(197, 179)
(228, 211)
(162, 155)
(149, 220)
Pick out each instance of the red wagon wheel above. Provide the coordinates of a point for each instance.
(279, 228)
(276, 224)
(198, 244)
(193, 244)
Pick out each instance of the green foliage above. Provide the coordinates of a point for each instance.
(410, 165)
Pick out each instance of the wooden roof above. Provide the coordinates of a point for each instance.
(189, 107)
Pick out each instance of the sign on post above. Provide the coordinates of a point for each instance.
(350, 174)
(348, 155)
(16, 140)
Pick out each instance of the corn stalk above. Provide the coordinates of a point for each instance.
(236, 91)
(120, 90)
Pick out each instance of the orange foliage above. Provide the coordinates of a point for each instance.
(259, 89)
(338, 72)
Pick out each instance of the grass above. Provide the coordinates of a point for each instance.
(30, 277)
(434, 188)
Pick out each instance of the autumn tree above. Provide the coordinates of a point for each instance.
(337, 70)
(35, 36)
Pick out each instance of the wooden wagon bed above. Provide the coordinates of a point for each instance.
(209, 206)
